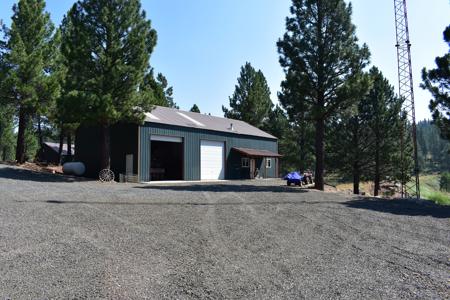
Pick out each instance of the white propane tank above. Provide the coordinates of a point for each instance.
(74, 168)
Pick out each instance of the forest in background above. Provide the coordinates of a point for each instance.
(434, 152)
(337, 114)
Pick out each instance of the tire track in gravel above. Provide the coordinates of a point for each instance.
(227, 258)
(241, 264)
(114, 274)
(210, 228)
(351, 240)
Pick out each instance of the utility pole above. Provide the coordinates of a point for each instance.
(406, 91)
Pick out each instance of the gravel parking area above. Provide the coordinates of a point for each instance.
(62, 238)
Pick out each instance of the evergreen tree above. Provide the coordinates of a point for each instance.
(107, 44)
(382, 110)
(195, 108)
(437, 82)
(31, 143)
(156, 90)
(350, 145)
(434, 152)
(7, 136)
(251, 99)
(6, 116)
(403, 163)
(276, 122)
(365, 141)
(279, 126)
(300, 141)
(323, 62)
(167, 91)
(29, 56)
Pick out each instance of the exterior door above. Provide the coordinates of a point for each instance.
(212, 160)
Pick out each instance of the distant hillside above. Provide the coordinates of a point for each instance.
(434, 152)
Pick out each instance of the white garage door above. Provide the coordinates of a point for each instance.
(212, 160)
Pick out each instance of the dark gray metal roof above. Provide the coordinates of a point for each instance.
(176, 117)
(55, 147)
(256, 152)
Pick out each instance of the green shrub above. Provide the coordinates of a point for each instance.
(444, 182)
(439, 198)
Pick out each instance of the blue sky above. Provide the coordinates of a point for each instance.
(202, 43)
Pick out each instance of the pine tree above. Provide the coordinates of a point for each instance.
(276, 122)
(195, 108)
(350, 145)
(300, 141)
(350, 140)
(107, 44)
(382, 110)
(29, 56)
(157, 91)
(323, 61)
(434, 152)
(167, 91)
(6, 117)
(278, 125)
(31, 143)
(437, 82)
(403, 162)
(365, 141)
(251, 99)
(6, 133)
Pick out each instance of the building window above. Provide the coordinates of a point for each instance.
(245, 161)
(268, 163)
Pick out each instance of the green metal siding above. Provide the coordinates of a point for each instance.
(123, 141)
(191, 139)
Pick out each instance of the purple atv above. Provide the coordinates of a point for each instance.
(297, 178)
(293, 178)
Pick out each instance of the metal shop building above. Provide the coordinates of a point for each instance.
(177, 145)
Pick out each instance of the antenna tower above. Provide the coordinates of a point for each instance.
(410, 188)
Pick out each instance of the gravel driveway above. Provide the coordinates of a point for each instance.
(234, 240)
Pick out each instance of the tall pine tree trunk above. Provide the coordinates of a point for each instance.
(69, 145)
(61, 144)
(303, 153)
(356, 178)
(104, 147)
(377, 172)
(356, 165)
(320, 153)
(40, 136)
(23, 124)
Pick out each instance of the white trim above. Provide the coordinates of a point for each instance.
(164, 138)
(245, 165)
(191, 119)
(268, 163)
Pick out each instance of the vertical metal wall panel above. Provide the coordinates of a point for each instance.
(144, 152)
(191, 138)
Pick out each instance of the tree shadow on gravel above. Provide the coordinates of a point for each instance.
(219, 188)
(192, 204)
(404, 207)
(28, 175)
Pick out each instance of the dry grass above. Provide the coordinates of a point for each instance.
(364, 187)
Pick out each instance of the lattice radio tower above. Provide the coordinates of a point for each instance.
(410, 188)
